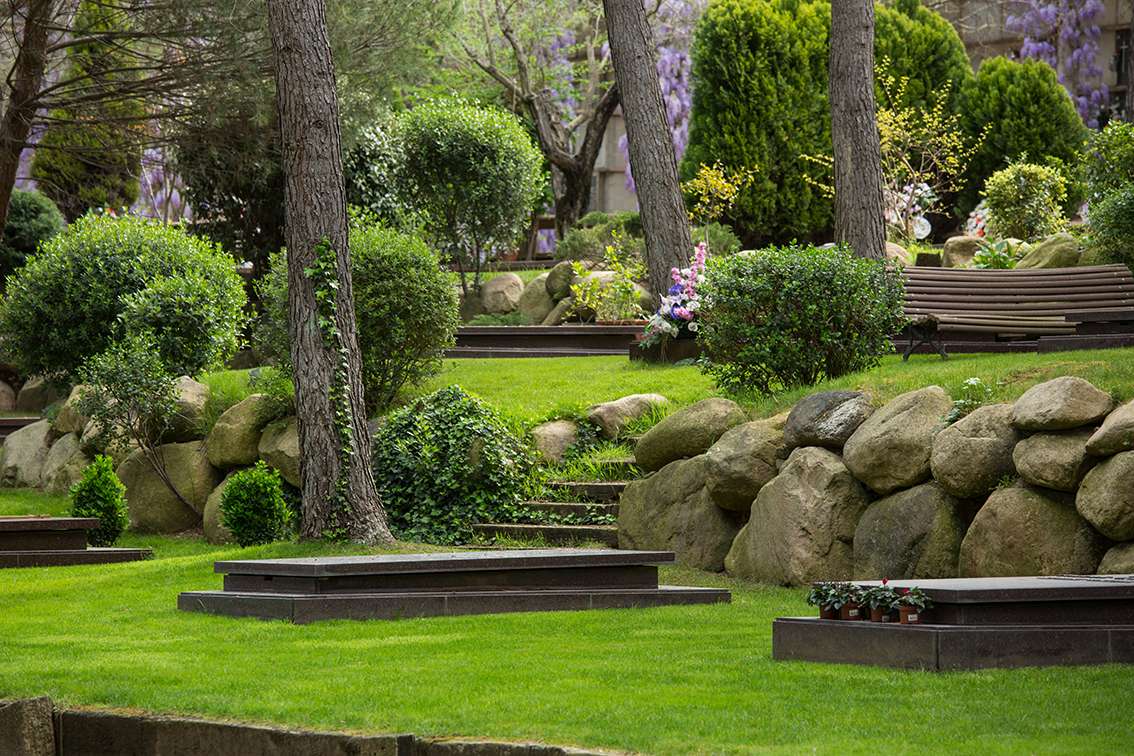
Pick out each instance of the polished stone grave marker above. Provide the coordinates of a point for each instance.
(980, 623)
(424, 585)
(37, 541)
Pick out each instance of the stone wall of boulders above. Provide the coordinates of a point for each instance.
(840, 489)
(52, 453)
(545, 300)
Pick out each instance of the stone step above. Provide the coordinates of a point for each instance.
(573, 508)
(556, 534)
(591, 490)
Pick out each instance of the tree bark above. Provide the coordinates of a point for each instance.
(338, 483)
(854, 129)
(664, 218)
(27, 78)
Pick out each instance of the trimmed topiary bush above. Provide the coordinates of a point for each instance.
(373, 169)
(1025, 201)
(1025, 114)
(105, 278)
(760, 99)
(32, 219)
(793, 316)
(406, 307)
(99, 493)
(474, 174)
(445, 462)
(253, 507)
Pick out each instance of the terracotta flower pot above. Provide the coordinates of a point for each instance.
(851, 612)
(880, 614)
(909, 615)
(828, 613)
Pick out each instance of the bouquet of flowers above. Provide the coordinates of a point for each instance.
(677, 314)
(977, 223)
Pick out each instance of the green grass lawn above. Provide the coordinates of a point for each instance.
(667, 680)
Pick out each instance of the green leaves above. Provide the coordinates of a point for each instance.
(253, 507)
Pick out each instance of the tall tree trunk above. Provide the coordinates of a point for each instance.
(664, 219)
(339, 496)
(572, 196)
(26, 78)
(854, 129)
(1130, 69)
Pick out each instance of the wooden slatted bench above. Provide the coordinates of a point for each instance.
(1006, 305)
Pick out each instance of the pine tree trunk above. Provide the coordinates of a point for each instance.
(26, 78)
(339, 496)
(664, 219)
(854, 129)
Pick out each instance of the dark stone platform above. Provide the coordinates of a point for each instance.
(978, 623)
(35, 541)
(443, 584)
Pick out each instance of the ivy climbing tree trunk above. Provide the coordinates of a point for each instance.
(854, 129)
(339, 496)
(664, 219)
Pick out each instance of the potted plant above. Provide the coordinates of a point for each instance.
(823, 596)
(880, 599)
(912, 603)
(848, 600)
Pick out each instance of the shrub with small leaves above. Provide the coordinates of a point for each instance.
(784, 317)
(99, 493)
(1025, 201)
(1110, 159)
(1111, 237)
(253, 507)
(447, 461)
(32, 219)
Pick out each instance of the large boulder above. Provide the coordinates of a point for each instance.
(671, 511)
(535, 303)
(212, 521)
(153, 507)
(971, 456)
(802, 523)
(64, 464)
(1116, 433)
(559, 280)
(1106, 497)
(560, 312)
(612, 417)
(1061, 404)
(69, 419)
(1119, 560)
(897, 254)
(553, 439)
(25, 452)
(501, 294)
(891, 449)
(189, 415)
(7, 397)
(914, 533)
(279, 447)
(741, 463)
(235, 438)
(37, 394)
(93, 442)
(1023, 531)
(1054, 460)
(1058, 251)
(826, 419)
(687, 432)
(959, 251)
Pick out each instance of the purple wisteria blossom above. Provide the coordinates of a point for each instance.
(1065, 35)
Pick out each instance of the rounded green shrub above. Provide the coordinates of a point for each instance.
(406, 310)
(32, 219)
(473, 173)
(1025, 201)
(373, 170)
(1110, 159)
(1111, 223)
(253, 507)
(1024, 113)
(595, 231)
(105, 278)
(99, 493)
(760, 99)
(792, 316)
(720, 238)
(445, 462)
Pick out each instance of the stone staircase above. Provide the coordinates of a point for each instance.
(572, 512)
